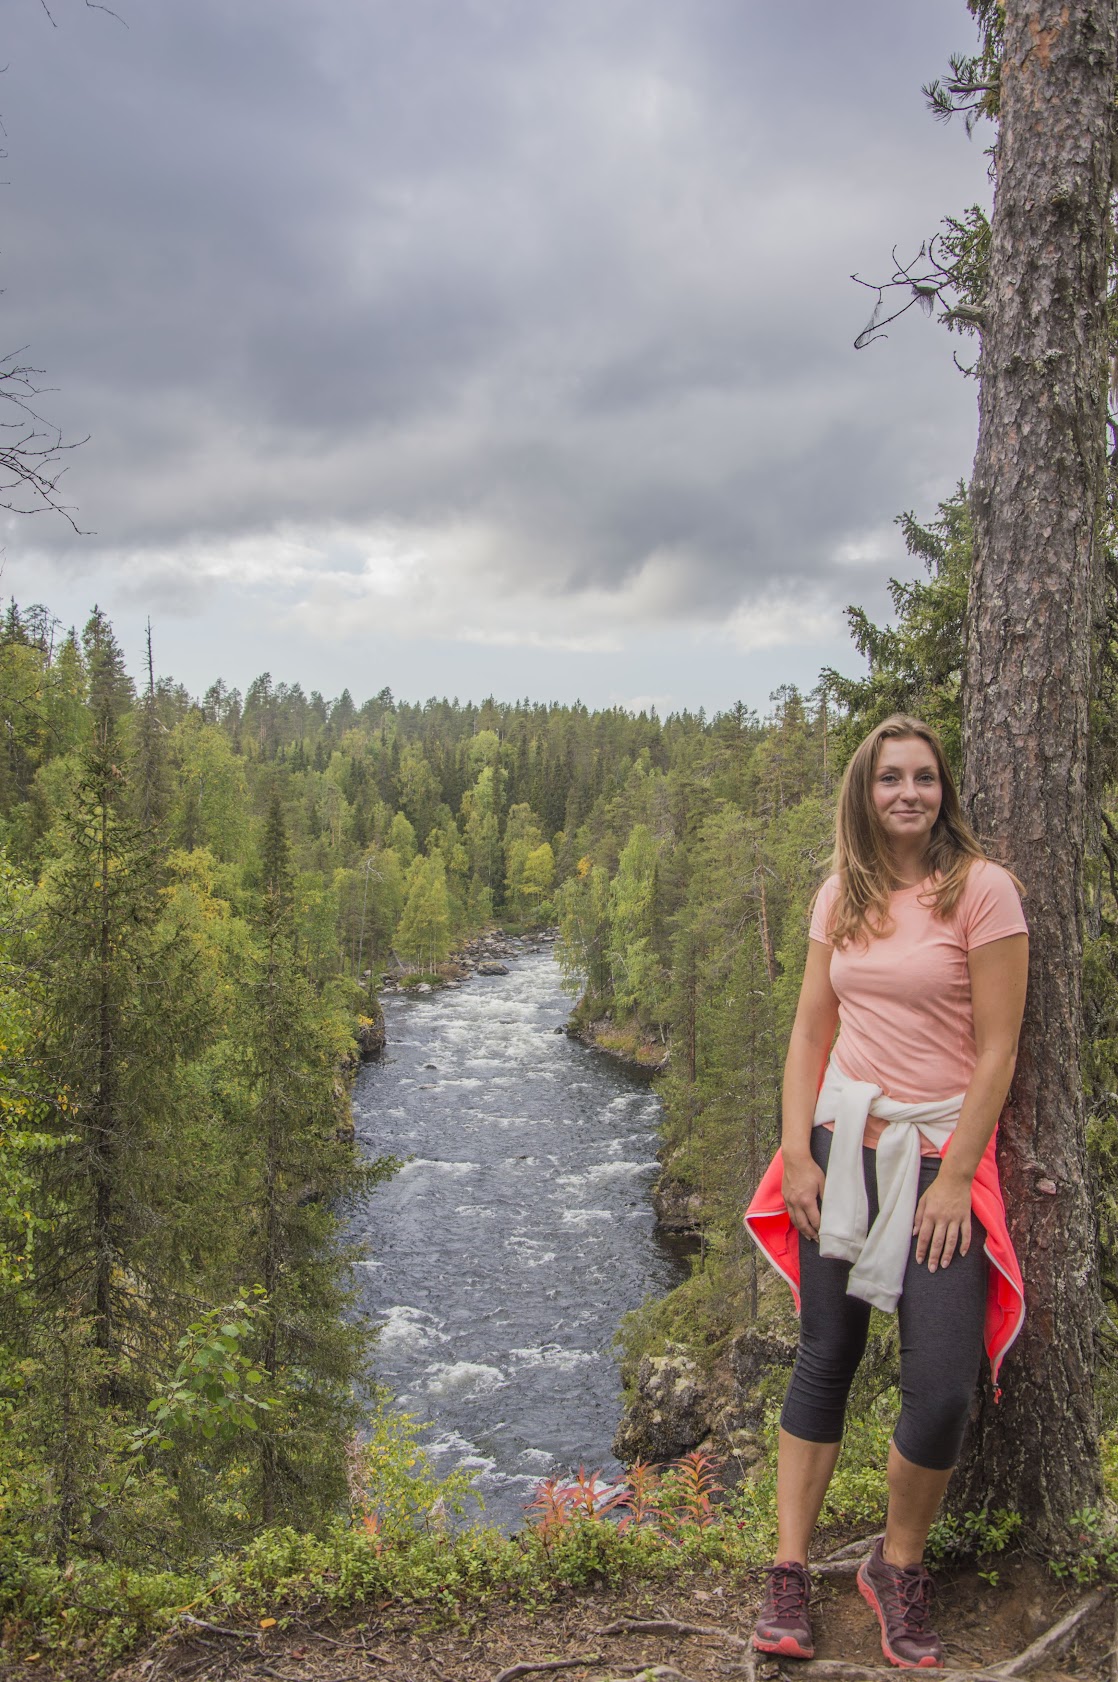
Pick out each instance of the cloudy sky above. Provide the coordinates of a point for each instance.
(473, 346)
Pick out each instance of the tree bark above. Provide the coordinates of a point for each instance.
(1037, 488)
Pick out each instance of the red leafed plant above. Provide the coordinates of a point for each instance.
(639, 1499)
(651, 1497)
(549, 1510)
(690, 1486)
(586, 1497)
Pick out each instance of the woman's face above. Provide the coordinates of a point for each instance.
(907, 792)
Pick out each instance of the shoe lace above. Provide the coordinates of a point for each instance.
(788, 1590)
(912, 1589)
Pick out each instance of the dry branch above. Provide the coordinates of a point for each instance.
(669, 1626)
(344, 1646)
(528, 1668)
(217, 1629)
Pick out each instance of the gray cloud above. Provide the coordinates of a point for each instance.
(568, 277)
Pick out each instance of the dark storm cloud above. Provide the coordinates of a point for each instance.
(570, 274)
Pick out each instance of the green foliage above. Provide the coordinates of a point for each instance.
(423, 936)
(636, 971)
(213, 1390)
(394, 1491)
(967, 1537)
(915, 666)
(1091, 1552)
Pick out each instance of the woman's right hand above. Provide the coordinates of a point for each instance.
(802, 1190)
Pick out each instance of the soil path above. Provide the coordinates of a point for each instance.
(982, 1625)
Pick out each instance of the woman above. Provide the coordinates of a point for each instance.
(885, 1189)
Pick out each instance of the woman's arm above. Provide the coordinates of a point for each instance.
(998, 975)
(808, 1049)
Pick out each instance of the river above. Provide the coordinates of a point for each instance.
(503, 1255)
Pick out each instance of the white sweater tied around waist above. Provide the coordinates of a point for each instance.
(880, 1253)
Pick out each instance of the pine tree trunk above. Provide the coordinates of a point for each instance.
(103, 1119)
(1038, 481)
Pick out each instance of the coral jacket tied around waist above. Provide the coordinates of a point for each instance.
(879, 1257)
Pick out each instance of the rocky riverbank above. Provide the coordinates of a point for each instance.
(705, 1389)
(485, 954)
(626, 1042)
(680, 1402)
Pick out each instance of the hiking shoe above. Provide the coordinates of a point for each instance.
(783, 1624)
(901, 1597)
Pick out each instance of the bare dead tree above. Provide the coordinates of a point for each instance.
(32, 451)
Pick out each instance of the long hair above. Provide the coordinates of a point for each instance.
(862, 857)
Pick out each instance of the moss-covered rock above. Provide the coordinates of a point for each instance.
(669, 1412)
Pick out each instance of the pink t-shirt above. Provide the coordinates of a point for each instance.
(905, 1020)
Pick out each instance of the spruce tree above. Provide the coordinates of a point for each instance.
(301, 1171)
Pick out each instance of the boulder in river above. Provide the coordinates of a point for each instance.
(491, 966)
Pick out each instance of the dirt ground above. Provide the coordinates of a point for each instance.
(982, 1626)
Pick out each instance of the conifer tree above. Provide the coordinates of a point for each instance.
(119, 1013)
(301, 1171)
(152, 782)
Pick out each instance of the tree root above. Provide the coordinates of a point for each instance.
(835, 1567)
(851, 1550)
(669, 1626)
(218, 1629)
(1052, 1641)
(837, 1670)
(528, 1667)
(1046, 1647)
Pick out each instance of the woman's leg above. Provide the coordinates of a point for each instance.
(833, 1330)
(941, 1319)
(803, 1474)
(915, 1493)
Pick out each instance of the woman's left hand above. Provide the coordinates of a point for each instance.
(942, 1222)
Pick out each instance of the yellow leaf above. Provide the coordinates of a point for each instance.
(267, 1623)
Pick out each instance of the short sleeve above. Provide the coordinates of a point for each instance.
(821, 911)
(990, 907)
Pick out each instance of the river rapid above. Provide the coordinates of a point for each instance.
(501, 1258)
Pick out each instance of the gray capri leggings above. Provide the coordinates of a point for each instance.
(941, 1318)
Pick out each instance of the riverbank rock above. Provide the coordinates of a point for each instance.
(370, 1036)
(670, 1412)
(753, 1355)
(678, 1207)
(681, 1401)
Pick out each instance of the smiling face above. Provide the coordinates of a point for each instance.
(907, 793)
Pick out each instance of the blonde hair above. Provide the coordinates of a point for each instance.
(862, 858)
